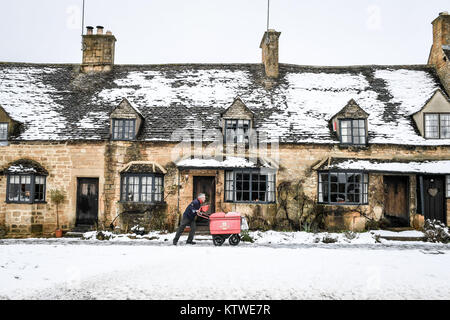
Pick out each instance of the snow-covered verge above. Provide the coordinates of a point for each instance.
(270, 237)
(242, 272)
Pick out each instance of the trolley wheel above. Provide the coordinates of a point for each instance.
(218, 240)
(234, 240)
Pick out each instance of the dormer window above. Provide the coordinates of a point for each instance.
(3, 131)
(126, 121)
(437, 125)
(237, 122)
(353, 131)
(237, 131)
(124, 129)
(350, 125)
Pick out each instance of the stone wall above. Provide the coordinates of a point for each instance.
(66, 162)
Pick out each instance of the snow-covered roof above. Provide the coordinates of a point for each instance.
(376, 165)
(55, 102)
(24, 166)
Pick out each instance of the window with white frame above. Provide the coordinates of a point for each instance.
(142, 188)
(343, 188)
(437, 125)
(249, 185)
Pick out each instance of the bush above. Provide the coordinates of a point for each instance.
(329, 239)
(436, 231)
(245, 236)
(350, 235)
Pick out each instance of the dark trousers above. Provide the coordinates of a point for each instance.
(184, 223)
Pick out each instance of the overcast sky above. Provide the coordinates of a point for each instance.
(325, 32)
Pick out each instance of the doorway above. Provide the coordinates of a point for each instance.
(396, 202)
(434, 198)
(206, 185)
(87, 201)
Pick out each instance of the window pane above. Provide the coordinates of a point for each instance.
(431, 125)
(14, 187)
(445, 126)
(146, 189)
(3, 131)
(25, 189)
(159, 190)
(39, 189)
(448, 187)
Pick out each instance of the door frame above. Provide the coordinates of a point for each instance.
(97, 182)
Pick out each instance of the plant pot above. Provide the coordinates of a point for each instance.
(58, 233)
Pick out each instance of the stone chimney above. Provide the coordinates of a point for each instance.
(269, 46)
(98, 50)
(440, 51)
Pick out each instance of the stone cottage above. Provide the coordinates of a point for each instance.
(288, 146)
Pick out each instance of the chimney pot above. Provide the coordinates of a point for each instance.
(99, 29)
(89, 30)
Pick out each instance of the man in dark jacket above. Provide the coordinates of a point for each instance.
(189, 219)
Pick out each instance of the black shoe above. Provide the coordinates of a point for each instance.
(174, 243)
(191, 242)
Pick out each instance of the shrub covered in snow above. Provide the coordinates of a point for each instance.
(329, 239)
(137, 229)
(436, 231)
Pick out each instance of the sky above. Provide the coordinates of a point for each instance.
(326, 32)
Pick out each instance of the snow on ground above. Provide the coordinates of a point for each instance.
(277, 238)
(208, 272)
(278, 265)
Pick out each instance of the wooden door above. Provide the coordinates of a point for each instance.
(434, 197)
(206, 185)
(87, 201)
(396, 200)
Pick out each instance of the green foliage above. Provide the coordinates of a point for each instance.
(57, 196)
(245, 236)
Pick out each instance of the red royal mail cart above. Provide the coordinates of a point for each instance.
(224, 226)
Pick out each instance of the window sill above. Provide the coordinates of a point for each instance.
(343, 204)
(18, 202)
(141, 203)
(251, 202)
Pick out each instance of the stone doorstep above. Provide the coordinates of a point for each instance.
(72, 234)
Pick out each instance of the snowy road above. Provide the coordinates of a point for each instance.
(58, 271)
